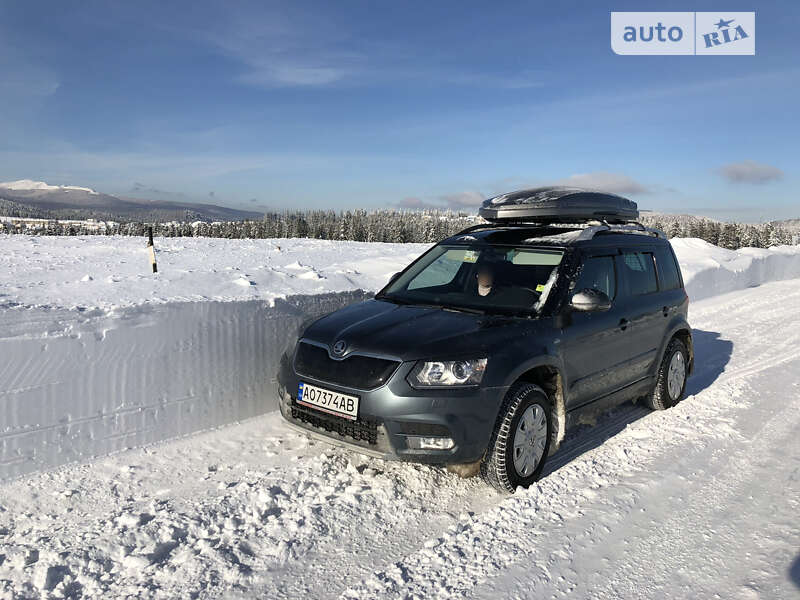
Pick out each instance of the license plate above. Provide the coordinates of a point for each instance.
(328, 401)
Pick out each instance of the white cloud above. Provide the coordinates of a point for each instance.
(22, 79)
(25, 86)
(279, 75)
(463, 200)
(293, 47)
(281, 47)
(468, 201)
(457, 76)
(749, 171)
(413, 203)
(615, 183)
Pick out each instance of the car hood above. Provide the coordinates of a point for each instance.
(412, 332)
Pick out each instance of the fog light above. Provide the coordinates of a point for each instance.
(417, 442)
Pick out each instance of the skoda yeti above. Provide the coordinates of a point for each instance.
(487, 348)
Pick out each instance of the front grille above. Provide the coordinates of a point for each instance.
(360, 372)
(360, 431)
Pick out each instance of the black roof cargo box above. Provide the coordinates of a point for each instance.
(558, 205)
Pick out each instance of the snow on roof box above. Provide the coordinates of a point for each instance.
(558, 205)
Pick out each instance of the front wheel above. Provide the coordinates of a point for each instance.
(520, 440)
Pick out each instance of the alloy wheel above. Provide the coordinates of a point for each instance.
(530, 439)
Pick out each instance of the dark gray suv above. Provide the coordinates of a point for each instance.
(486, 349)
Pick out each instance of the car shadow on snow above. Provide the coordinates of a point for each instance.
(583, 438)
(794, 571)
(712, 355)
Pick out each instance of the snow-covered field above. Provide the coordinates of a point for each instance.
(699, 501)
(109, 273)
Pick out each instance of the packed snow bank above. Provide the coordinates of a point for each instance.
(99, 354)
(77, 385)
(709, 270)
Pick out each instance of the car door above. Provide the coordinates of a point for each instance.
(593, 344)
(641, 307)
(670, 286)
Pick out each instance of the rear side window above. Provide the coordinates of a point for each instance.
(598, 273)
(668, 273)
(640, 271)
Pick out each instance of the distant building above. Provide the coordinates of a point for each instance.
(36, 225)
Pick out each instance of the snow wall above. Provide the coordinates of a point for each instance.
(709, 270)
(92, 384)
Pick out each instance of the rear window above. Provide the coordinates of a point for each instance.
(640, 272)
(668, 273)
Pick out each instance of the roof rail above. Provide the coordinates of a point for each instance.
(631, 227)
(588, 231)
(477, 227)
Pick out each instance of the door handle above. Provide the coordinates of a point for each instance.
(623, 324)
(665, 311)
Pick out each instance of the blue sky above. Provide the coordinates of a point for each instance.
(372, 104)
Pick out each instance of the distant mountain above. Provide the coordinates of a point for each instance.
(73, 202)
(28, 185)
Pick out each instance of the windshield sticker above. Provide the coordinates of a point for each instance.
(470, 256)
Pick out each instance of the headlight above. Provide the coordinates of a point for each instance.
(447, 373)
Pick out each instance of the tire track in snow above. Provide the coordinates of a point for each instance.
(706, 498)
(599, 489)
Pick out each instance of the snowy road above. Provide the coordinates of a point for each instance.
(698, 501)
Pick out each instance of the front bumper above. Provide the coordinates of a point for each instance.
(392, 413)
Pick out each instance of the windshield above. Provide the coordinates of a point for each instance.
(487, 278)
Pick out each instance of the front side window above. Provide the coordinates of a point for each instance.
(640, 272)
(488, 278)
(598, 273)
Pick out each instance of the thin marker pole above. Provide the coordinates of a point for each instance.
(151, 248)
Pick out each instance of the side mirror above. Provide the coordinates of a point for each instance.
(393, 278)
(590, 300)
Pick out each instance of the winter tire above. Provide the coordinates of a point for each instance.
(671, 380)
(520, 440)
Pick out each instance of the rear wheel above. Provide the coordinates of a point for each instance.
(671, 381)
(520, 441)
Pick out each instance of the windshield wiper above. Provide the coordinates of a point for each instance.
(474, 311)
(512, 312)
(403, 302)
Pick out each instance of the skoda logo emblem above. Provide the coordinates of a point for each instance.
(339, 347)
